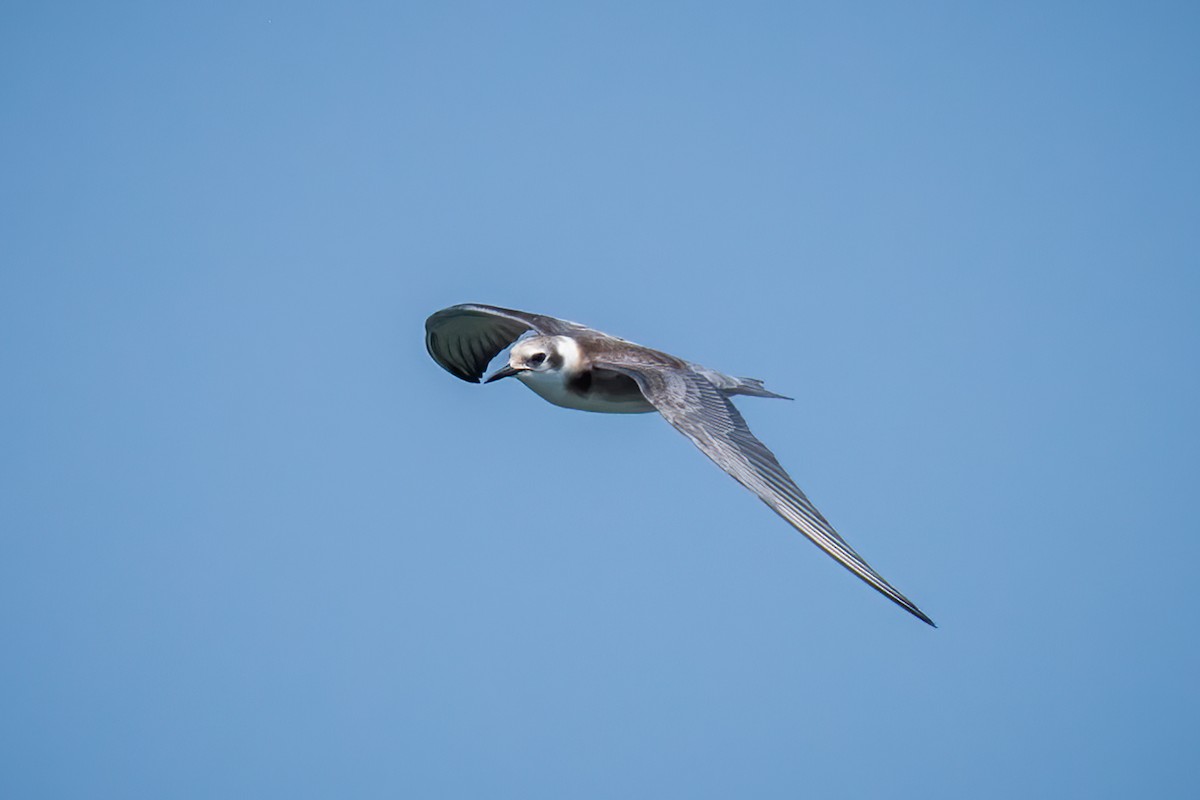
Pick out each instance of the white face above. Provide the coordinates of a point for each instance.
(534, 355)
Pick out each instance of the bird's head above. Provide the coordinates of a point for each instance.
(537, 354)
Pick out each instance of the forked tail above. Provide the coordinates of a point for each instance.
(730, 385)
(754, 388)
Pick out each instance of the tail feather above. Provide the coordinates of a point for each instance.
(730, 385)
(754, 388)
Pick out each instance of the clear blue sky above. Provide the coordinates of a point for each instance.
(255, 543)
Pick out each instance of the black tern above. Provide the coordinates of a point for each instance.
(575, 366)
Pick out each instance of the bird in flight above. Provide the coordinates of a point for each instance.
(574, 366)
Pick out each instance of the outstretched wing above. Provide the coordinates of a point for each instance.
(463, 339)
(702, 413)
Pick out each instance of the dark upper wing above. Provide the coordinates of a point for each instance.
(702, 413)
(463, 339)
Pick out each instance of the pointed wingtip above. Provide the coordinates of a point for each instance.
(919, 614)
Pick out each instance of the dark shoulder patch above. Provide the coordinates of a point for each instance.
(581, 383)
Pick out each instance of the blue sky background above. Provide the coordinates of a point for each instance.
(255, 543)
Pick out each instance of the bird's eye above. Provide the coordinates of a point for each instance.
(536, 359)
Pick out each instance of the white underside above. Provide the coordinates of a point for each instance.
(552, 388)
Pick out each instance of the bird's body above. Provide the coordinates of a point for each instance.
(577, 367)
(573, 382)
(591, 390)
